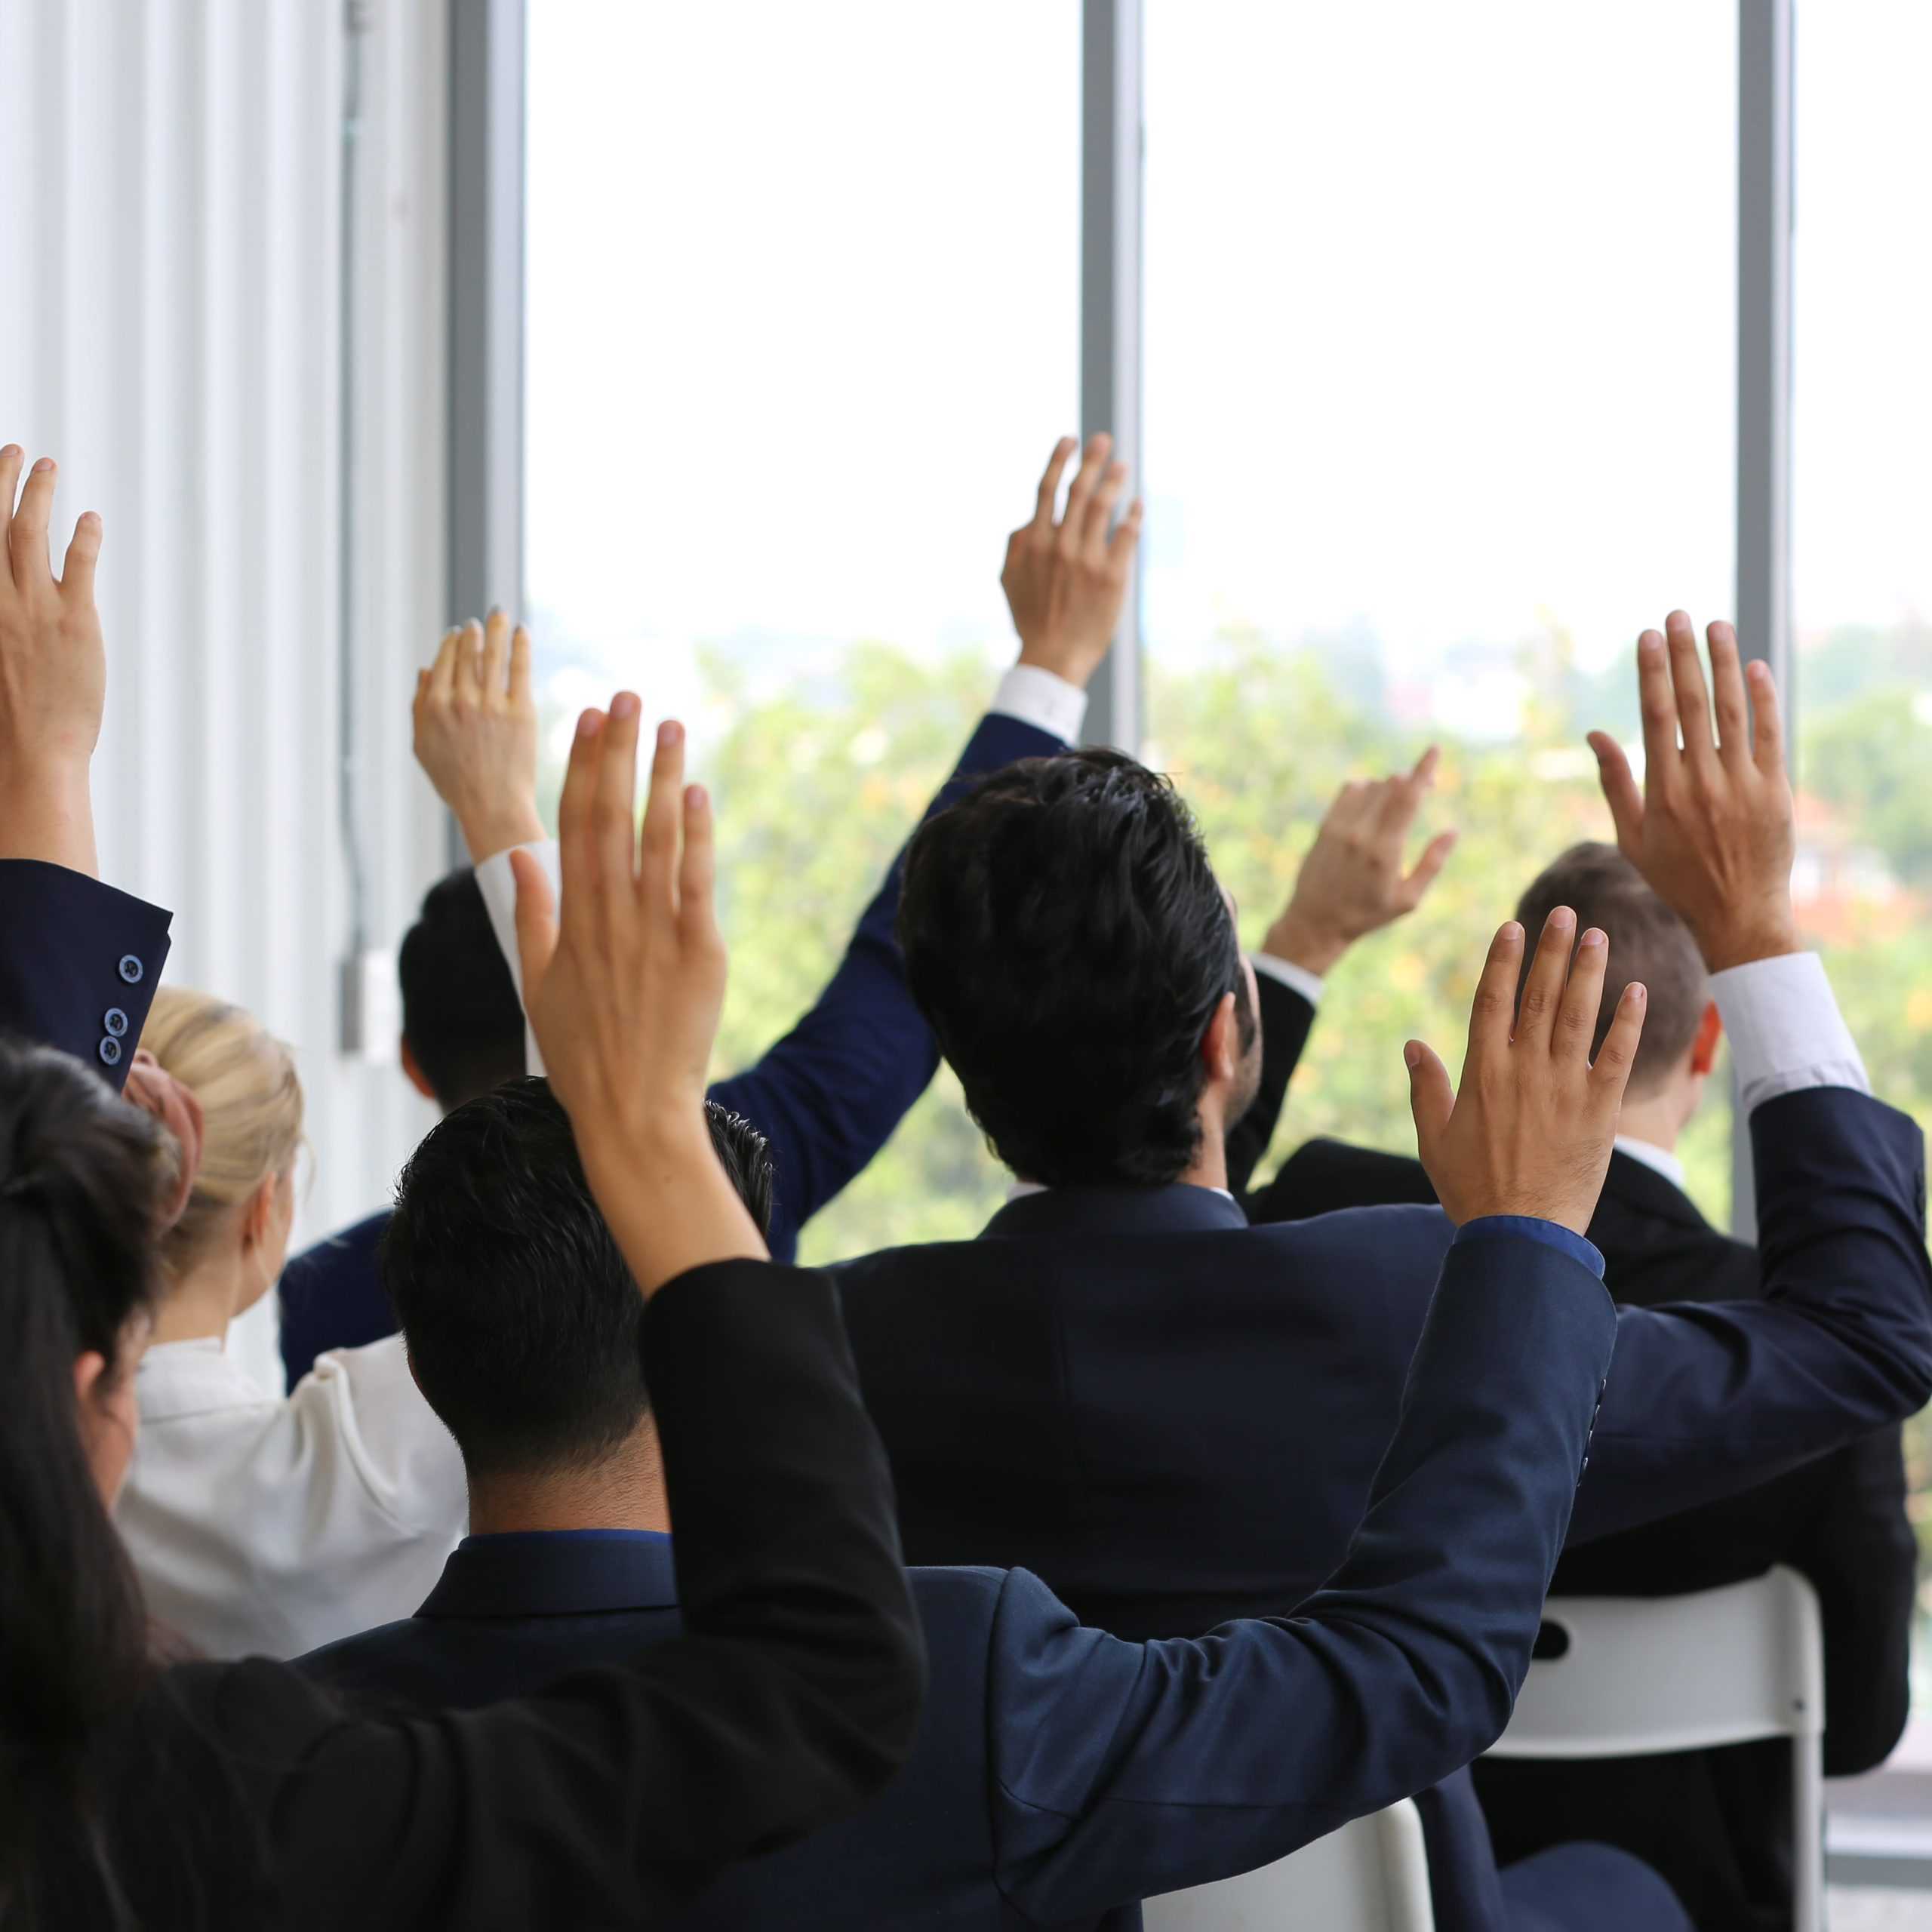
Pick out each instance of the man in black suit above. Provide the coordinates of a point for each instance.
(1060, 1775)
(1173, 1417)
(1716, 1823)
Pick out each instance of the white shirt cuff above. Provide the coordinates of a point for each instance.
(1297, 979)
(1785, 1030)
(497, 884)
(1040, 698)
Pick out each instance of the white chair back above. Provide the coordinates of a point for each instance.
(1370, 1876)
(1623, 1677)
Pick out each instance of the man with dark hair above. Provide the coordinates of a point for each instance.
(1716, 1823)
(830, 1093)
(1172, 1416)
(1058, 1775)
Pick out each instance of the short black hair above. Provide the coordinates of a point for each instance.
(523, 1323)
(460, 1014)
(1647, 942)
(1066, 940)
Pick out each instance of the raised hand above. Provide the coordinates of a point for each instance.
(1530, 1131)
(1712, 829)
(1351, 882)
(624, 986)
(475, 720)
(1065, 581)
(53, 676)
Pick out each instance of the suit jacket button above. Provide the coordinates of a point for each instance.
(132, 970)
(110, 1051)
(115, 1021)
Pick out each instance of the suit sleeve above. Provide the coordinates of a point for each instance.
(610, 1798)
(1707, 1399)
(1126, 1769)
(829, 1095)
(1287, 1017)
(79, 963)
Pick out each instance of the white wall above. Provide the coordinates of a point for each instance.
(169, 243)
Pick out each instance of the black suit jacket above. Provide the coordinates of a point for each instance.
(1174, 1417)
(1060, 1775)
(1716, 1823)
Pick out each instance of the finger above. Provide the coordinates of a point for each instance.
(26, 540)
(1400, 800)
(1434, 857)
(1687, 678)
(614, 808)
(1043, 509)
(1620, 792)
(1352, 802)
(698, 868)
(495, 662)
(1658, 702)
(536, 921)
(83, 553)
(469, 661)
(1101, 510)
(1127, 535)
(1542, 990)
(520, 671)
(577, 839)
(1086, 480)
(1610, 1073)
(442, 672)
(663, 811)
(1733, 714)
(1432, 1099)
(1582, 997)
(1494, 1009)
(1422, 775)
(1769, 750)
(11, 457)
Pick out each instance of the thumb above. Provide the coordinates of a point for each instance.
(1619, 792)
(536, 922)
(1435, 855)
(1432, 1099)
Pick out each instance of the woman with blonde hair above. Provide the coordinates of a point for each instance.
(264, 1524)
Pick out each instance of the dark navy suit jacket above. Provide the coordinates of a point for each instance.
(827, 1097)
(85, 980)
(1174, 1417)
(1060, 1774)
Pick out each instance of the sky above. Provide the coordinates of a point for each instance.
(1440, 311)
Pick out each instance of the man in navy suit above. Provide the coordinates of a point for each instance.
(1059, 1774)
(1174, 1417)
(829, 1095)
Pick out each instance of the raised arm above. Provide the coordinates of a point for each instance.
(1137, 1769)
(1352, 883)
(79, 961)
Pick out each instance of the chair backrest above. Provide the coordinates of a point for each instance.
(1370, 1876)
(1618, 1676)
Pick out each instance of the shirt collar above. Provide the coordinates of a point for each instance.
(1020, 1190)
(555, 1573)
(1659, 1160)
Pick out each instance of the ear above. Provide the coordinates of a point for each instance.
(88, 1369)
(260, 1218)
(413, 1071)
(1710, 1033)
(1220, 1045)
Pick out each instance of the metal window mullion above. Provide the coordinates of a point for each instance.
(1110, 309)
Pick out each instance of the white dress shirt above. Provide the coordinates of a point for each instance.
(1035, 697)
(264, 1525)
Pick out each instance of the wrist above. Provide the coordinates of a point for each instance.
(1737, 940)
(47, 812)
(1071, 667)
(497, 825)
(1302, 943)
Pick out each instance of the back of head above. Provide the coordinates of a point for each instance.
(1068, 942)
(460, 1014)
(80, 1176)
(1648, 943)
(251, 1105)
(523, 1326)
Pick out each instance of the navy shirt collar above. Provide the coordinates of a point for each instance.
(556, 1573)
(1177, 1208)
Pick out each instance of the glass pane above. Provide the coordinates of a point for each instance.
(1861, 562)
(1440, 401)
(802, 326)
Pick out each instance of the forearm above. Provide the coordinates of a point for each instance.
(47, 813)
(491, 826)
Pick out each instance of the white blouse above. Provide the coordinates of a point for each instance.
(266, 1525)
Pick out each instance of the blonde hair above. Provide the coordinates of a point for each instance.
(251, 1105)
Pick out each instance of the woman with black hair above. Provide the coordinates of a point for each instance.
(139, 1791)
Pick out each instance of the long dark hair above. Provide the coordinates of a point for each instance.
(80, 1174)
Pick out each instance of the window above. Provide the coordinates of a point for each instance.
(1440, 329)
(1861, 567)
(802, 296)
